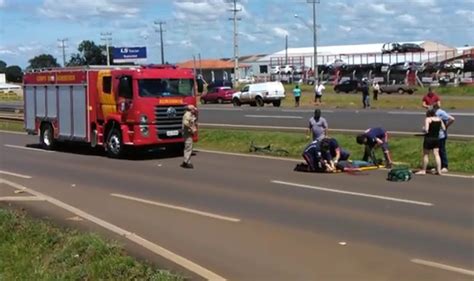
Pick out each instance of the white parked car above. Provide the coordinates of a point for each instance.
(275, 69)
(455, 64)
(260, 93)
(287, 69)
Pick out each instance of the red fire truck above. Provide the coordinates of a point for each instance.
(113, 107)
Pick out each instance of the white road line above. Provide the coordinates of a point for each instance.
(274, 116)
(27, 148)
(443, 266)
(353, 193)
(423, 113)
(15, 175)
(189, 265)
(307, 110)
(248, 155)
(21, 198)
(174, 207)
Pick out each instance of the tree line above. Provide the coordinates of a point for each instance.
(88, 54)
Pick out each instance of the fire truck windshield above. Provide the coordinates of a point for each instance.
(165, 87)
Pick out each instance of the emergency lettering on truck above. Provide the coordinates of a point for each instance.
(113, 107)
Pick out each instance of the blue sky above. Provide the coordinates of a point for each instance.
(32, 27)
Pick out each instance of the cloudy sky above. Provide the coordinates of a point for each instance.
(33, 27)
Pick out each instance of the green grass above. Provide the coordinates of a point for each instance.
(37, 250)
(451, 98)
(406, 150)
(11, 126)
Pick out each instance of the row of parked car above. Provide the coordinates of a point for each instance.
(354, 86)
(394, 47)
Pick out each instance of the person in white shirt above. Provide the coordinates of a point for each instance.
(376, 89)
(318, 93)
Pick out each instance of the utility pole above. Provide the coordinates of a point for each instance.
(107, 37)
(160, 23)
(63, 47)
(234, 10)
(315, 42)
(286, 49)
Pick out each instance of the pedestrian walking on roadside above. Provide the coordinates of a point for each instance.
(365, 94)
(376, 90)
(189, 129)
(318, 93)
(430, 99)
(448, 120)
(297, 94)
(318, 126)
(373, 138)
(433, 125)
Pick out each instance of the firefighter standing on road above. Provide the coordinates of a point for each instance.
(189, 129)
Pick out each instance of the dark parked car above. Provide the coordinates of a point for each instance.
(469, 65)
(410, 47)
(217, 95)
(348, 86)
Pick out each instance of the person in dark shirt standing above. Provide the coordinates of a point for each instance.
(365, 95)
(373, 138)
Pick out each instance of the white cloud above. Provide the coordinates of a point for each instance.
(407, 19)
(217, 38)
(76, 10)
(345, 28)
(2, 3)
(206, 10)
(280, 32)
(381, 9)
(248, 37)
(467, 14)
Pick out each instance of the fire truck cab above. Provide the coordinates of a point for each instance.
(114, 107)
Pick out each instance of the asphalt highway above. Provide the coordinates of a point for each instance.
(248, 218)
(340, 119)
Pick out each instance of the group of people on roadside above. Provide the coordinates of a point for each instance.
(435, 127)
(323, 153)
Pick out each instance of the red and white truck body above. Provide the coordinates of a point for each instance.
(110, 106)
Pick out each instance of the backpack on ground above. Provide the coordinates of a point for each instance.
(399, 174)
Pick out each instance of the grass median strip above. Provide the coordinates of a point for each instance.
(404, 149)
(33, 249)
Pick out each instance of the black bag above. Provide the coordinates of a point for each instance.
(399, 174)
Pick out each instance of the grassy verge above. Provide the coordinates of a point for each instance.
(36, 250)
(11, 126)
(404, 149)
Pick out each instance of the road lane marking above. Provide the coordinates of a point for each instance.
(15, 174)
(247, 155)
(274, 116)
(174, 207)
(307, 110)
(189, 265)
(13, 132)
(27, 148)
(20, 198)
(354, 193)
(443, 266)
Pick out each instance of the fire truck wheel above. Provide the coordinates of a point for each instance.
(115, 147)
(47, 136)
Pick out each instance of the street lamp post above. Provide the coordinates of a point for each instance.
(314, 29)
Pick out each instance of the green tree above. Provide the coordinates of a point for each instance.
(14, 73)
(89, 54)
(42, 61)
(3, 66)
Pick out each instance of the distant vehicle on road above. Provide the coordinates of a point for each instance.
(338, 63)
(411, 47)
(348, 86)
(218, 95)
(392, 47)
(397, 88)
(260, 93)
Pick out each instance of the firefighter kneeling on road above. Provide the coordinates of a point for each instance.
(189, 129)
(314, 159)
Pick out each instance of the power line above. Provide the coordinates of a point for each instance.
(63, 47)
(107, 37)
(160, 24)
